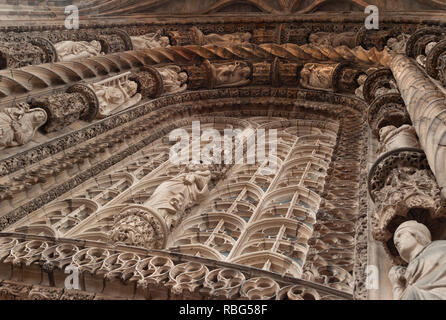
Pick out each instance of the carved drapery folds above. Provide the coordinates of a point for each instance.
(150, 41)
(78, 102)
(19, 124)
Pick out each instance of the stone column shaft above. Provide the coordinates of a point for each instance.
(426, 105)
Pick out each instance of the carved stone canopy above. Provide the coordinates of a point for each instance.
(378, 83)
(388, 109)
(403, 188)
(420, 39)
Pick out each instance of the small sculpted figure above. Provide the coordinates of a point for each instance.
(174, 196)
(317, 76)
(231, 75)
(150, 41)
(117, 97)
(222, 39)
(421, 59)
(425, 276)
(174, 80)
(72, 50)
(19, 124)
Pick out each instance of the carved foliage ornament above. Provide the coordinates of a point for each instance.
(139, 226)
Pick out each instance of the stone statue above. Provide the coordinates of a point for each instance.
(173, 197)
(398, 44)
(225, 39)
(392, 138)
(421, 59)
(231, 75)
(116, 97)
(317, 76)
(19, 124)
(150, 41)
(425, 276)
(359, 92)
(71, 50)
(384, 90)
(174, 80)
(334, 39)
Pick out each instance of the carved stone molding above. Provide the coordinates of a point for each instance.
(434, 61)
(150, 83)
(388, 109)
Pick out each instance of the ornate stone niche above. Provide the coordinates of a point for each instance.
(388, 109)
(78, 102)
(378, 83)
(403, 187)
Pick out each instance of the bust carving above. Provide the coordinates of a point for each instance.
(425, 276)
(19, 124)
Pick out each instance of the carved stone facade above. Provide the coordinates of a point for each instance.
(352, 176)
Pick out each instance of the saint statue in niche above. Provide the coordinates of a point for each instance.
(425, 276)
(19, 124)
(174, 196)
(116, 94)
(150, 41)
(72, 50)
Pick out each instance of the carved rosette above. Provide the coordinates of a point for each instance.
(140, 227)
(403, 188)
(149, 81)
(388, 109)
(378, 83)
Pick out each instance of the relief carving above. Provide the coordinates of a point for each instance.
(174, 79)
(18, 125)
(116, 94)
(229, 74)
(72, 50)
(150, 41)
(173, 197)
(220, 40)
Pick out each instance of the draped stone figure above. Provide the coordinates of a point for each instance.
(334, 39)
(150, 41)
(19, 124)
(174, 80)
(231, 75)
(425, 276)
(71, 50)
(174, 196)
(221, 39)
(317, 76)
(117, 96)
(392, 138)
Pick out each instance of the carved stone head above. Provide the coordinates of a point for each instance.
(410, 238)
